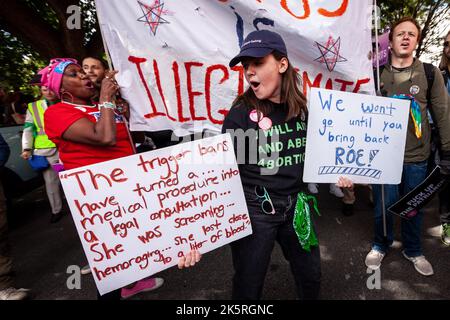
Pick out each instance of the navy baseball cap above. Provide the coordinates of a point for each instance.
(259, 44)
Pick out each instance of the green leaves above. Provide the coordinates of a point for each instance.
(33, 31)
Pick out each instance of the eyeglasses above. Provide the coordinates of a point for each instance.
(264, 123)
(266, 203)
(446, 43)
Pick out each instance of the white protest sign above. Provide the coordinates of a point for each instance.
(172, 56)
(355, 135)
(136, 215)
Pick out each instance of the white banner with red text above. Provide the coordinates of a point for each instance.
(173, 56)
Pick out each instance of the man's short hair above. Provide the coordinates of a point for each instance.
(98, 58)
(405, 19)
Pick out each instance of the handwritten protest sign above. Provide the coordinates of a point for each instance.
(173, 56)
(355, 135)
(137, 215)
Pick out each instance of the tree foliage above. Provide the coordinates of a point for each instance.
(18, 62)
(33, 31)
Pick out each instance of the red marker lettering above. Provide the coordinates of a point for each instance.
(137, 61)
(225, 77)
(192, 94)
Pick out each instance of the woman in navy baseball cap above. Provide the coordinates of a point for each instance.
(271, 116)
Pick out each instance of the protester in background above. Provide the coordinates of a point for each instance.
(7, 290)
(444, 196)
(36, 143)
(276, 204)
(21, 107)
(15, 111)
(404, 77)
(445, 61)
(86, 134)
(95, 69)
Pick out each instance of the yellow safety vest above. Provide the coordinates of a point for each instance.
(37, 109)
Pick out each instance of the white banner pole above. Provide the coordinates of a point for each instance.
(379, 93)
(111, 67)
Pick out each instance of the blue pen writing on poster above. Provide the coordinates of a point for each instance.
(350, 160)
(256, 22)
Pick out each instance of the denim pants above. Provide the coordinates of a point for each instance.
(251, 255)
(413, 174)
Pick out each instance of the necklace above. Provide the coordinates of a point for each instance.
(79, 105)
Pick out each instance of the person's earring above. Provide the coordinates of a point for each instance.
(63, 92)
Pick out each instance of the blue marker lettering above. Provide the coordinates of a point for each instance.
(339, 153)
(327, 103)
(338, 103)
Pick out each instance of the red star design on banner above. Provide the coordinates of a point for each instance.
(152, 15)
(329, 53)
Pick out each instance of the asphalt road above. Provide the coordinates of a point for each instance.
(44, 251)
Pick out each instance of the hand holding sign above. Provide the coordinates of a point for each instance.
(344, 182)
(189, 260)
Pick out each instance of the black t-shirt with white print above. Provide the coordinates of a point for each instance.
(271, 157)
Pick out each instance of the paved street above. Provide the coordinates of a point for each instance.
(43, 251)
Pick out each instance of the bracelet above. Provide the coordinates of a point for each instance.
(107, 105)
(26, 150)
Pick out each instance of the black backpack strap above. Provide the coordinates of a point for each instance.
(435, 138)
(429, 73)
